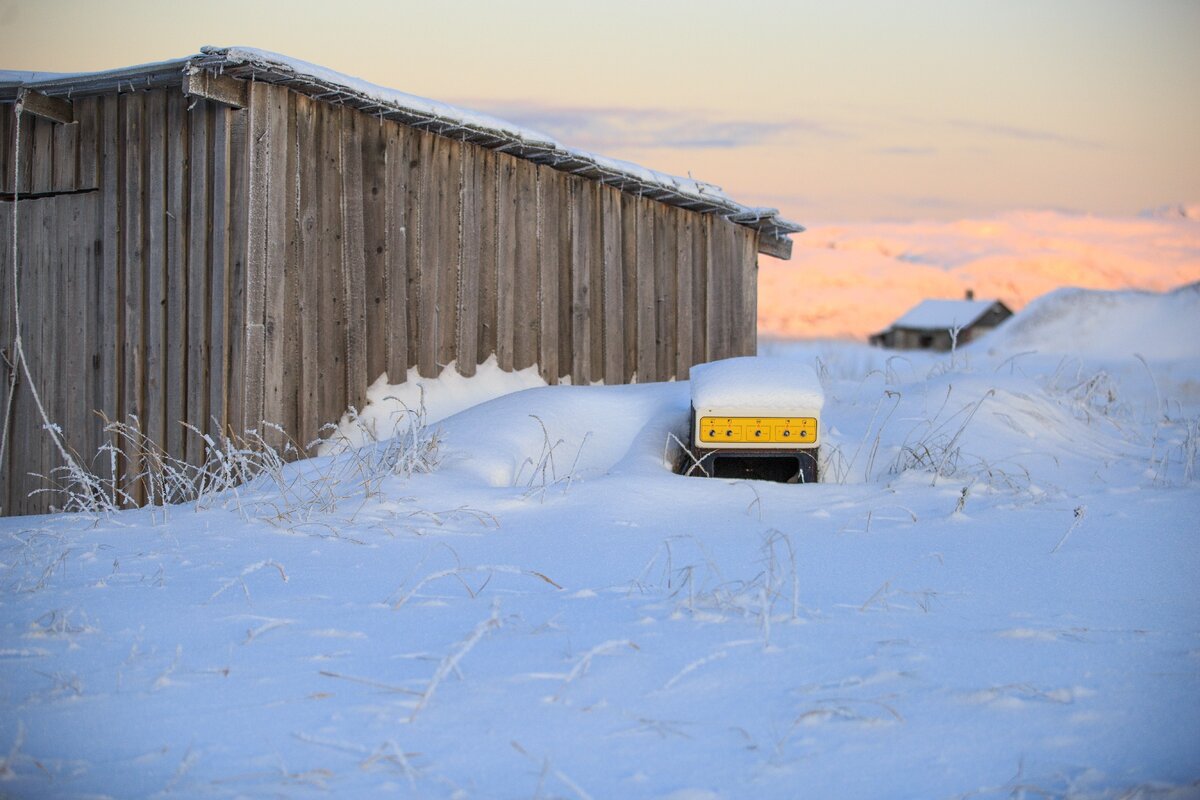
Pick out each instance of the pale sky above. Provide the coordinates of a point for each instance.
(826, 110)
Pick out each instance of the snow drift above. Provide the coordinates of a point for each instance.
(993, 593)
(1109, 324)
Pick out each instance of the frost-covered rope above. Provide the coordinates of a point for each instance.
(19, 359)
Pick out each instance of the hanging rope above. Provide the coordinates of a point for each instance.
(18, 360)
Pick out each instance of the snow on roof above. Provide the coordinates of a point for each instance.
(483, 129)
(756, 384)
(943, 314)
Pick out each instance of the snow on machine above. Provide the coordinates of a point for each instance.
(756, 418)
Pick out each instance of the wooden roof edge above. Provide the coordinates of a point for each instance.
(773, 229)
(68, 85)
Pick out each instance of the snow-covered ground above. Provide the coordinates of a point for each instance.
(851, 280)
(992, 593)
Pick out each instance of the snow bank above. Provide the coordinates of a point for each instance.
(1106, 324)
(756, 385)
(993, 586)
(392, 407)
(546, 434)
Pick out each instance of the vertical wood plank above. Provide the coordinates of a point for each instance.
(41, 355)
(426, 264)
(198, 303)
(71, 385)
(7, 335)
(724, 273)
(733, 306)
(23, 171)
(278, 402)
(237, 282)
(109, 331)
(699, 269)
(566, 283)
(331, 342)
(133, 283)
(218, 236)
(375, 244)
(683, 292)
(292, 316)
(8, 465)
(712, 299)
(595, 247)
(57, 269)
(87, 112)
(309, 175)
(66, 157)
(647, 369)
(396, 187)
(488, 255)
(614, 290)
(506, 263)
(178, 387)
(49, 310)
(415, 147)
(629, 284)
(549, 199)
(581, 285)
(90, 297)
(19, 425)
(42, 156)
(470, 259)
(7, 115)
(526, 281)
(259, 151)
(353, 261)
(29, 438)
(154, 335)
(664, 290)
(449, 196)
(748, 257)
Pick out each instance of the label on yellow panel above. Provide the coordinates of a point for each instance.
(786, 431)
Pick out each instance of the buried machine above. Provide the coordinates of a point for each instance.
(756, 418)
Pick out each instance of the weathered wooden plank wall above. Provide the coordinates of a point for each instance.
(125, 262)
(224, 267)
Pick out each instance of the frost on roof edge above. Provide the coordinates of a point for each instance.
(442, 118)
(532, 145)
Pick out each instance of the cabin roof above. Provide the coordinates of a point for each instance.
(944, 314)
(329, 86)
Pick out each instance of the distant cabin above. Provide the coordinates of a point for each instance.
(942, 324)
(237, 237)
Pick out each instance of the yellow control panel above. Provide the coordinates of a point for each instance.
(775, 431)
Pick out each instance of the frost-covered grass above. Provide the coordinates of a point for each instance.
(993, 595)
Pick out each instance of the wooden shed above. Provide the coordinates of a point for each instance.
(237, 236)
(942, 324)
